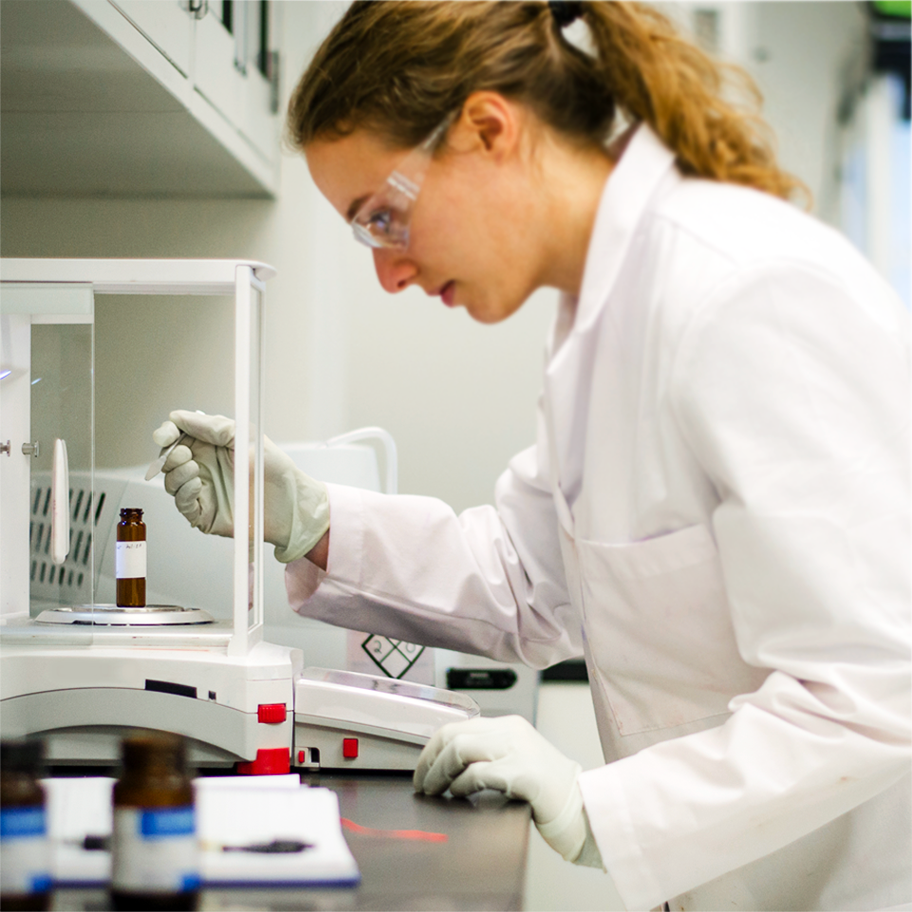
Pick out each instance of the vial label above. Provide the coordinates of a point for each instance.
(155, 849)
(130, 560)
(25, 854)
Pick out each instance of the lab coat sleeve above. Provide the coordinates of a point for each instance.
(489, 581)
(792, 390)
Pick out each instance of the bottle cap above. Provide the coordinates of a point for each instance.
(22, 755)
(154, 748)
(126, 512)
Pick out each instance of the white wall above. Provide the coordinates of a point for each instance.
(799, 53)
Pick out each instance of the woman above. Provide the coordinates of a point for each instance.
(715, 512)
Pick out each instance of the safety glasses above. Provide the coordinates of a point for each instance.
(383, 220)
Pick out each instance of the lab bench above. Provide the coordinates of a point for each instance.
(481, 866)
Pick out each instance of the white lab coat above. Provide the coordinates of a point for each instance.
(716, 514)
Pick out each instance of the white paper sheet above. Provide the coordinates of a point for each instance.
(230, 811)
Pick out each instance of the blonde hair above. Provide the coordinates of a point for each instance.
(398, 67)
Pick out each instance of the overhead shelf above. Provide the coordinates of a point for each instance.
(92, 106)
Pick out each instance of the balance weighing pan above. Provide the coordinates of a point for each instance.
(116, 616)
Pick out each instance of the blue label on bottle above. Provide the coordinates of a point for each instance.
(159, 823)
(41, 883)
(22, 823)
(190, 882)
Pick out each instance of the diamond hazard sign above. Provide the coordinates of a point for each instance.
(393, 657)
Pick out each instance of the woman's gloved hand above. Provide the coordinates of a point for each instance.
(200, 475)
(507, 754)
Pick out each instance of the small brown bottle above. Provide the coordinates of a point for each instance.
(25, 855)
(154, 850)
(130, 559)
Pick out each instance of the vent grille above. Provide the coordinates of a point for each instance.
(71, 581)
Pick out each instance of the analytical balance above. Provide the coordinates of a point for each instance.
(81, 674)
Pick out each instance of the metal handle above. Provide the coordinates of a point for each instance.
(30, 449)
(60, 503)
(240, 29)
(272, 74)
(6, 448)
(199, 8)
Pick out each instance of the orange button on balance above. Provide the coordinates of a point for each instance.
(350, 748)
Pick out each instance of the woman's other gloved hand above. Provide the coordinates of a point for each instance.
(200, 475)
(507, 754)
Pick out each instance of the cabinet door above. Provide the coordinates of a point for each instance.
(232, 43)
(167, 24)
(260, 124)
(218, 77)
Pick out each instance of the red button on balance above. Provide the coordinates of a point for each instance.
(273, 761)
(271, 712)
(350, 748)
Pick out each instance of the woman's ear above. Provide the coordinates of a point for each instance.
(489, 123)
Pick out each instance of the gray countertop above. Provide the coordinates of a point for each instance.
(481, 866)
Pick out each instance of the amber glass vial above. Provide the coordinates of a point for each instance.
(130, 559)
(154, 852)
(25, 857)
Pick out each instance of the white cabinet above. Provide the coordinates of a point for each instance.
(232, 60)
(168, 24)
(218, 77)
(163, 98)
(224, 48)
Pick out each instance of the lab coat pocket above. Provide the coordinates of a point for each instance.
(660, 630)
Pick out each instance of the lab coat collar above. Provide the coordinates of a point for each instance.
(627, 192)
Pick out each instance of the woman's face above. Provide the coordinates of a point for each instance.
(469, 238)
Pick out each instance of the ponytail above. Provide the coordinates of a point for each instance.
(658, 77)
(399, 67)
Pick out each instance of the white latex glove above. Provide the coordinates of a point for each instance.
(200, 475)
(507, 754)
